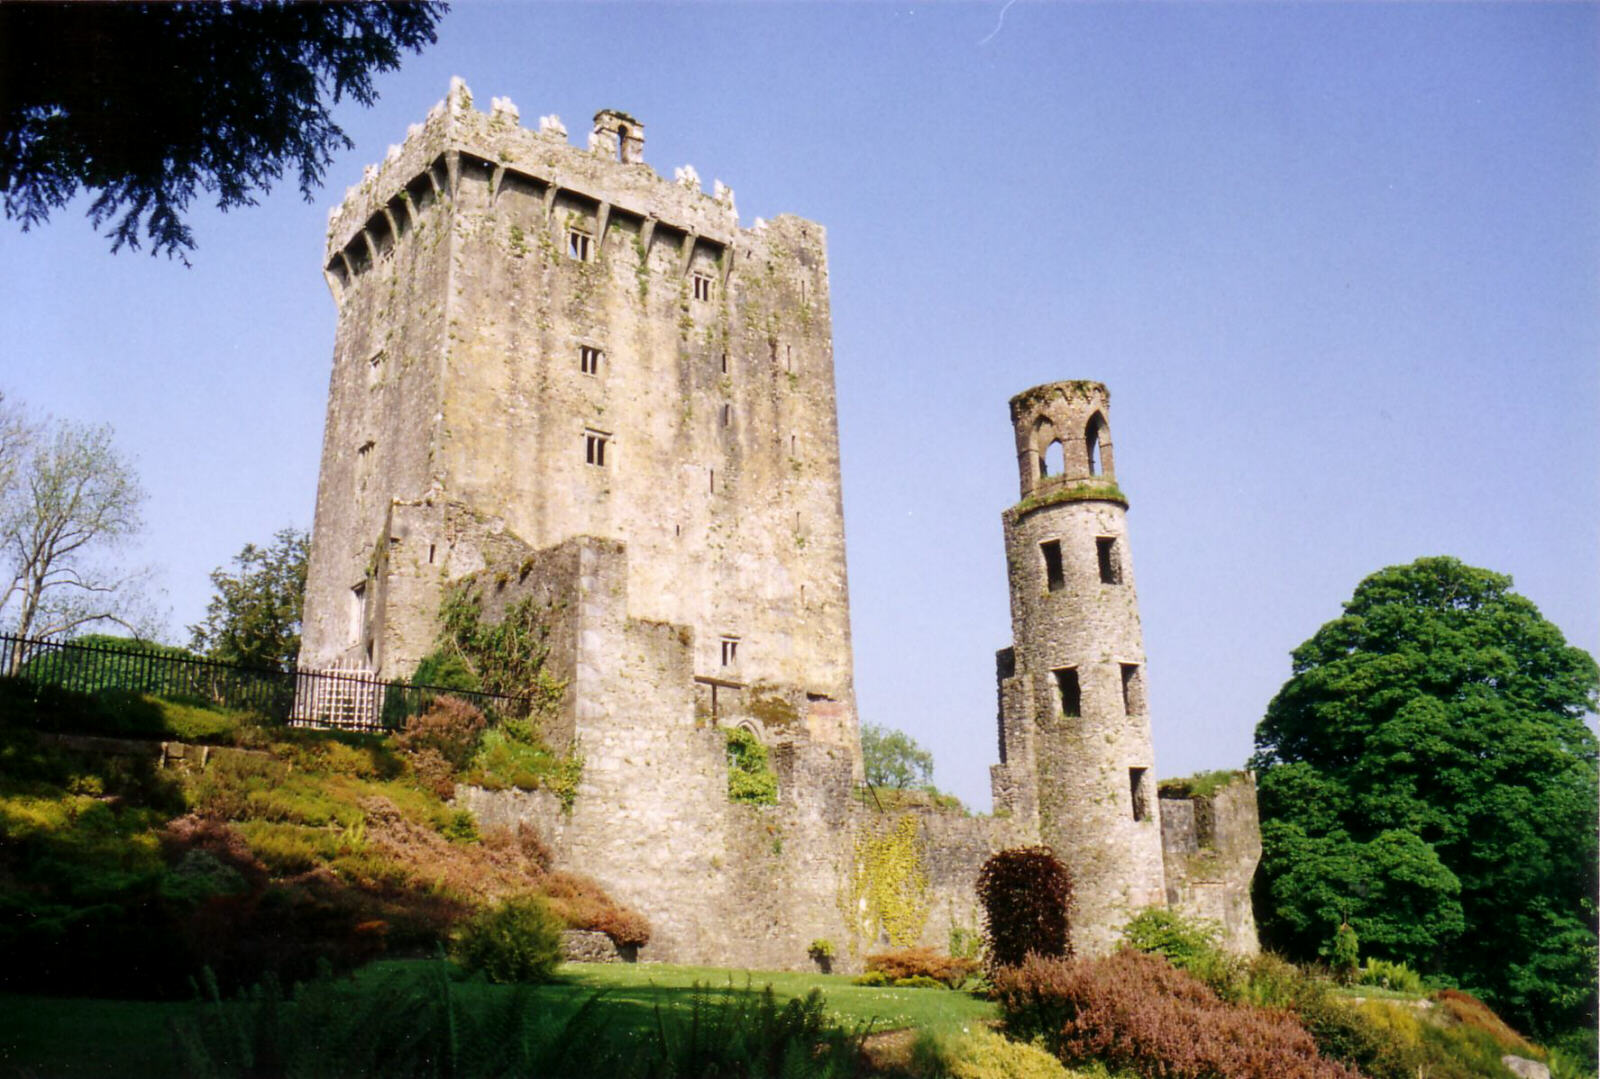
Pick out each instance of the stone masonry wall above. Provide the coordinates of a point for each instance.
(570, 345)
(1211, 846)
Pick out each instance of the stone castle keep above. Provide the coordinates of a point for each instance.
(589, 386)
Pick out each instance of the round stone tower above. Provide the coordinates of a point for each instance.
(1074, 727)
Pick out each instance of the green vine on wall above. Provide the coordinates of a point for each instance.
(886, 895)
(751, 779)
(506, 657)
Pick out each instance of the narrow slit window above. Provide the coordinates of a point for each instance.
(589, 359)
(1132, 690)
(724, 363)
(1105, 549)
(430, 553)
(1055, 579)
(727, 415)
(1071, 695)
(358, 611)
(702, 286)
(1138, 793)
(594, 448)
(788, 358)
(730, 651)
(580, 245)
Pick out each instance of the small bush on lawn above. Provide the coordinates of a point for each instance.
(983, 1054)
(517, 941)
(907, 963)
(1139, 1013)
(1026, 895)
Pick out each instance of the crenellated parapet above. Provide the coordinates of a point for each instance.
(609, 176)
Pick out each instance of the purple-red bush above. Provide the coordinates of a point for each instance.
(450, 727)
(1027, 897)
(923, 962)
(1138, 1013)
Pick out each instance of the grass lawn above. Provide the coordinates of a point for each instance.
(47, 1037)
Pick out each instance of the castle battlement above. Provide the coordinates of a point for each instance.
(609, 178)
(565, 385)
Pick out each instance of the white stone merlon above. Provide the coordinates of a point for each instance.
(686, 176)
(503, 109)
(552, 125)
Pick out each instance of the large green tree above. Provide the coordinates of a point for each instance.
(144, 105)
(1427, 773)
(254, 615)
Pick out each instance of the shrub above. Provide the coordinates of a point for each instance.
(583, 904)
(983, 1054)
(821, 948)
(907, 963)
(1344, 954)
(1026, 895)
(750, 776)
(1396, 977)
(517, 941)
(1138, 1013)
(1184, 942)
(450, 726)
(872, 978)
(432, 772)
(918, 981)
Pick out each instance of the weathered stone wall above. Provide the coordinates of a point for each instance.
(1074, 727)
(1211, 846)
(490, 257)
(587, 386)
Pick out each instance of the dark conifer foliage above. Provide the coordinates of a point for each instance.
(143, 105)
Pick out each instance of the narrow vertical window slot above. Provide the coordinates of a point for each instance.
(1071, 694)
(1105, 549)
(1138, 792)
(1132, 690)
(1055, 578)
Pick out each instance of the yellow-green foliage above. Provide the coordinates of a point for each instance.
(983, 1054)
(750, 776)
(511, 754)
(194, 723)
(886, 892)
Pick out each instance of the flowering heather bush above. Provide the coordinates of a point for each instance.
(450, 727)
(1026, 895)
(1136, 1012)
(583, 904)
(948, 970)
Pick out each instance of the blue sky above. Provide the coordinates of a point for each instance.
(1337, 264)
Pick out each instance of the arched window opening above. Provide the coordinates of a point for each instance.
(1091, 442)
(622, 142)
(1050, 464)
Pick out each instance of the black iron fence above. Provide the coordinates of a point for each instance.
(349, 700)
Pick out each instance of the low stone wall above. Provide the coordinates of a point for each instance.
(588, 946)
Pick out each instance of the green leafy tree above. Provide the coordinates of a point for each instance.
(892, 758)
(254, 615)
(1428, 769)
(146, 104)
